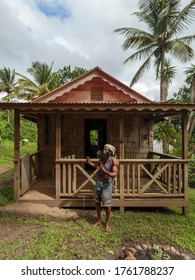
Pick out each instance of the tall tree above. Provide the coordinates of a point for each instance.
(66, 74)
(7, 83)
(44, 80)
(168, 75)
(164, 20)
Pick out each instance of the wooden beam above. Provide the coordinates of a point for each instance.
(185, 135)
(121, 137)
(16, 155)
(121, 155)
(58, 154)
(185, 156)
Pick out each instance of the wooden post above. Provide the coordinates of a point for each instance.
(16, 155)
(121, 156)
(185, 156)
(58, 154)
(185, 135)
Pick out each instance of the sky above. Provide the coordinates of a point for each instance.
(79, 33)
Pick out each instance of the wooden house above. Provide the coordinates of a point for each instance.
(98, 105)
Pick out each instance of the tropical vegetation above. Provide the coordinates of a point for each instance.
(164, 22)
(43, 79)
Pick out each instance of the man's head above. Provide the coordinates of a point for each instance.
(107, 152)
(110, 148)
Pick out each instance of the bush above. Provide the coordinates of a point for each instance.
(6, 195)
(191, 169)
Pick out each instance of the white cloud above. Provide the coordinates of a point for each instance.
(80, 35)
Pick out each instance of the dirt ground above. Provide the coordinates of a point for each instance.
(34, 209)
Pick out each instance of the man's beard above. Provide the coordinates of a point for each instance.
(105, 157)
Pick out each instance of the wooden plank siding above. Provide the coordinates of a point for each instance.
(131, 135)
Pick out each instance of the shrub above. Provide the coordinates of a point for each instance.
(191, 169)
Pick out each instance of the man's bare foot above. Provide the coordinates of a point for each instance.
(98, 223)
(107, 229)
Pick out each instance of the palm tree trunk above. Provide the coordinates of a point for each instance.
(163, 97)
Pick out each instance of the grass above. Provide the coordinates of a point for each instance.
(48, 238)
(7, 152)
(7, 170)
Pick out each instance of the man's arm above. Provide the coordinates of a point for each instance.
(92, 164)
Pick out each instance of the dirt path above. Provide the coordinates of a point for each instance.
(34, 209)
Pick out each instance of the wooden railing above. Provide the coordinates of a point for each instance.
(136, 178)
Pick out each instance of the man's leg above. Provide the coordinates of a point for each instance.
(98, 211)
(108, 213)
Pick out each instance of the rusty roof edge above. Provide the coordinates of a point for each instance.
(152, 106)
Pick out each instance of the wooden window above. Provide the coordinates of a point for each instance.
(96, 94)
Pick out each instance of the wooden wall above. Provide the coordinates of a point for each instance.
(138, 137)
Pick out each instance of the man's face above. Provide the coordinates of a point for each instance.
(105, 154)
(105, 150)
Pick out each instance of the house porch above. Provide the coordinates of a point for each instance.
(153, 182)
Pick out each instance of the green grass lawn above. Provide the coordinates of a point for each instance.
(7, 152)
(6, 168)
(48, 238)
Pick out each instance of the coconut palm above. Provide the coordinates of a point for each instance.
(165, 21)
(168, 76)
(7, 83)
(44, 80)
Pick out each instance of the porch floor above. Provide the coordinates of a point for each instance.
(43, 189)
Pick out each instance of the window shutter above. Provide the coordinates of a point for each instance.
(96, 94)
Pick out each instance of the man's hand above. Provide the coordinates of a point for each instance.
(88, 159)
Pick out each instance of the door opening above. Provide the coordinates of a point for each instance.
(95, 136)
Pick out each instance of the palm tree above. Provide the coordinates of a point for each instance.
(165, 21)
(7, 83)
(66, 74)
(168, 75)
(44, 80)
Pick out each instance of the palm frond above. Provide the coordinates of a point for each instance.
(141, 71)
(184, 18)
(141, 54)
(181, 51)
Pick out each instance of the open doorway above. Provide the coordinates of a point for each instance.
(95, 136)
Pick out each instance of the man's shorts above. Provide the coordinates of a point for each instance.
(103, 191)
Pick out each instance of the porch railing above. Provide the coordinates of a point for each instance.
(152, 177)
